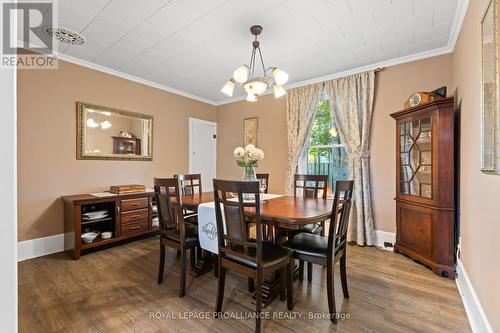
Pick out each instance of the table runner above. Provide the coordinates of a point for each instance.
(207, 225)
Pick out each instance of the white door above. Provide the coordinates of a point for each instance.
(203, 150)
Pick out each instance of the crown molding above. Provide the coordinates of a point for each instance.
(130, 77)
(458, 21)
(449, 48)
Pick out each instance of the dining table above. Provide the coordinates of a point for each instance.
(281, 214)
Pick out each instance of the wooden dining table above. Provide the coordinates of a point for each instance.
(281, 213)
(285, 212)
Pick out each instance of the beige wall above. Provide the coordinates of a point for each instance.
(47, 164)
(394, 85)
(479, 193)
(272, 138)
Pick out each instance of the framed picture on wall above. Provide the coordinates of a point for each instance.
(490, 118)
(251, 131)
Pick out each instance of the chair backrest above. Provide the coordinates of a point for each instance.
(189, 183)
(168, 201)
(339, 221)
(311, 185)
(266, 177)
(235, 240)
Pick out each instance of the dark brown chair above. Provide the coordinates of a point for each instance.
(190, 183)
(175, 232)
(326, 251)
(251, 257)
(266, 177)
(310, 186)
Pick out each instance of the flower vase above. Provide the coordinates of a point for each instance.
(249, 176)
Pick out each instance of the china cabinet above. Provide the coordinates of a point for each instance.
(425, 185)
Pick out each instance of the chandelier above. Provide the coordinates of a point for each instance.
(256, 85)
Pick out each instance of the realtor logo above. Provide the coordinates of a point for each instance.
(25, 43)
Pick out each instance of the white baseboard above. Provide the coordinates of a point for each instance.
(477, 318)
(38, 247)
(384, 236)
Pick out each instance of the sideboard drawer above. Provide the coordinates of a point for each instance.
(136, 203)
(134, 227)
(135, 216)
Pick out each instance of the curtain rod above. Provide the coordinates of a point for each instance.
(376, 70)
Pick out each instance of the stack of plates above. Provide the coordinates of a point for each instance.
(100, 214)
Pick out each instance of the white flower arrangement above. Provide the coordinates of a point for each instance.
(248, 156)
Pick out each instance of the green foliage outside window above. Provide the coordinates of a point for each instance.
(326, 160)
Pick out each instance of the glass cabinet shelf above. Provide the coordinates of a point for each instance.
(416, 157)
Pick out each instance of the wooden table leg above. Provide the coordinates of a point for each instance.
(203, 265)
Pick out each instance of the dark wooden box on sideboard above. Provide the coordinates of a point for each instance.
(425, 185)
(129, 215)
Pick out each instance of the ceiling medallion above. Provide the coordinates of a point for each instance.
(256, 85)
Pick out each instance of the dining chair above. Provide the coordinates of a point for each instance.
(190, 183)
(310, 186)
(238, 252)
(326, 251)
(175, 231)
(266, 177)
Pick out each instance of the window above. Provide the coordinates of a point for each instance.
(325, 153)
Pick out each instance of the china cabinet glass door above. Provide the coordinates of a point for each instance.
(416, 157)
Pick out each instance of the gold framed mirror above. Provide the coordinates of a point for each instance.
(105, 133)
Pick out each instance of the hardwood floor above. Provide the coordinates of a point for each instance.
(115, 290)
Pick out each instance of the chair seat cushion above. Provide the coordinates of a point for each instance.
(313, 228)
(272, 254)
(191, 234)
(308, 244)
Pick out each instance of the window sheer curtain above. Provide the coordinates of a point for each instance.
(300, 111)
(351, 103)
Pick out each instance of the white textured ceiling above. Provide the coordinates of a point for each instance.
(195, 45)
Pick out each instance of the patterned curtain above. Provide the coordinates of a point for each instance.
(300, 111)
(351, 103)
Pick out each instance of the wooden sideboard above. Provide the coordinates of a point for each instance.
(130, 215)
(425, 185)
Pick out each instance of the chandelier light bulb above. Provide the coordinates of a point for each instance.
(228, 88)
(280, 76)
(241, 74)
(251, 98)
(278, 90)
(256, 86)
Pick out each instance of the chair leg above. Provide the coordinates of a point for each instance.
(343, 276)
(182, 290)
(283, 279)
(289, 282)
(258, 300)
(216, 265)
(309, 272)
(251, 285)
(161, 268)
(331, 292)
(301, 270)
(220, 288)
(322, 232)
